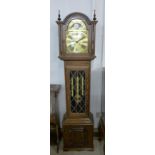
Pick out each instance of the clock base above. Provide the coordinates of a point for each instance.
(78, 134)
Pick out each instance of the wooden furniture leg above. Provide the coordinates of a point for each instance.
(58, 136)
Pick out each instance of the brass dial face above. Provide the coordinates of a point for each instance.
(77, 37)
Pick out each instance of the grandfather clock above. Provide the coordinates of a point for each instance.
(77, 49)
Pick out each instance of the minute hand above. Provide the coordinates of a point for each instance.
(81, 39)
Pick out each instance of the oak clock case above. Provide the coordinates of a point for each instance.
(77, 49)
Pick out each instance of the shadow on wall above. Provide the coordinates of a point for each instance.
(103, 91)
(97, 93)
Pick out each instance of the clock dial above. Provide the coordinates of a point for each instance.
(77, 37)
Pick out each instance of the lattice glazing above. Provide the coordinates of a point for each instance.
(77, 91)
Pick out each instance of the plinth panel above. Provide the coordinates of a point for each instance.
(78, 133)
(78, 137)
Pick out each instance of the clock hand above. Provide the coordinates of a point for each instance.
(75, 47)
(81, 38)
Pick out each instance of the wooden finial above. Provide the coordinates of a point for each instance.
(59, 18)
(94, 18)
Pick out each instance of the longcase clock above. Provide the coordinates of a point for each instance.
(77, 49)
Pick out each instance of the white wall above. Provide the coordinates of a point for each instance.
(57, 66)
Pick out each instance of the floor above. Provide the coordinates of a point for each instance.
(98, 150)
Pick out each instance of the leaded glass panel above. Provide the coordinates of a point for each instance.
(77, 91)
